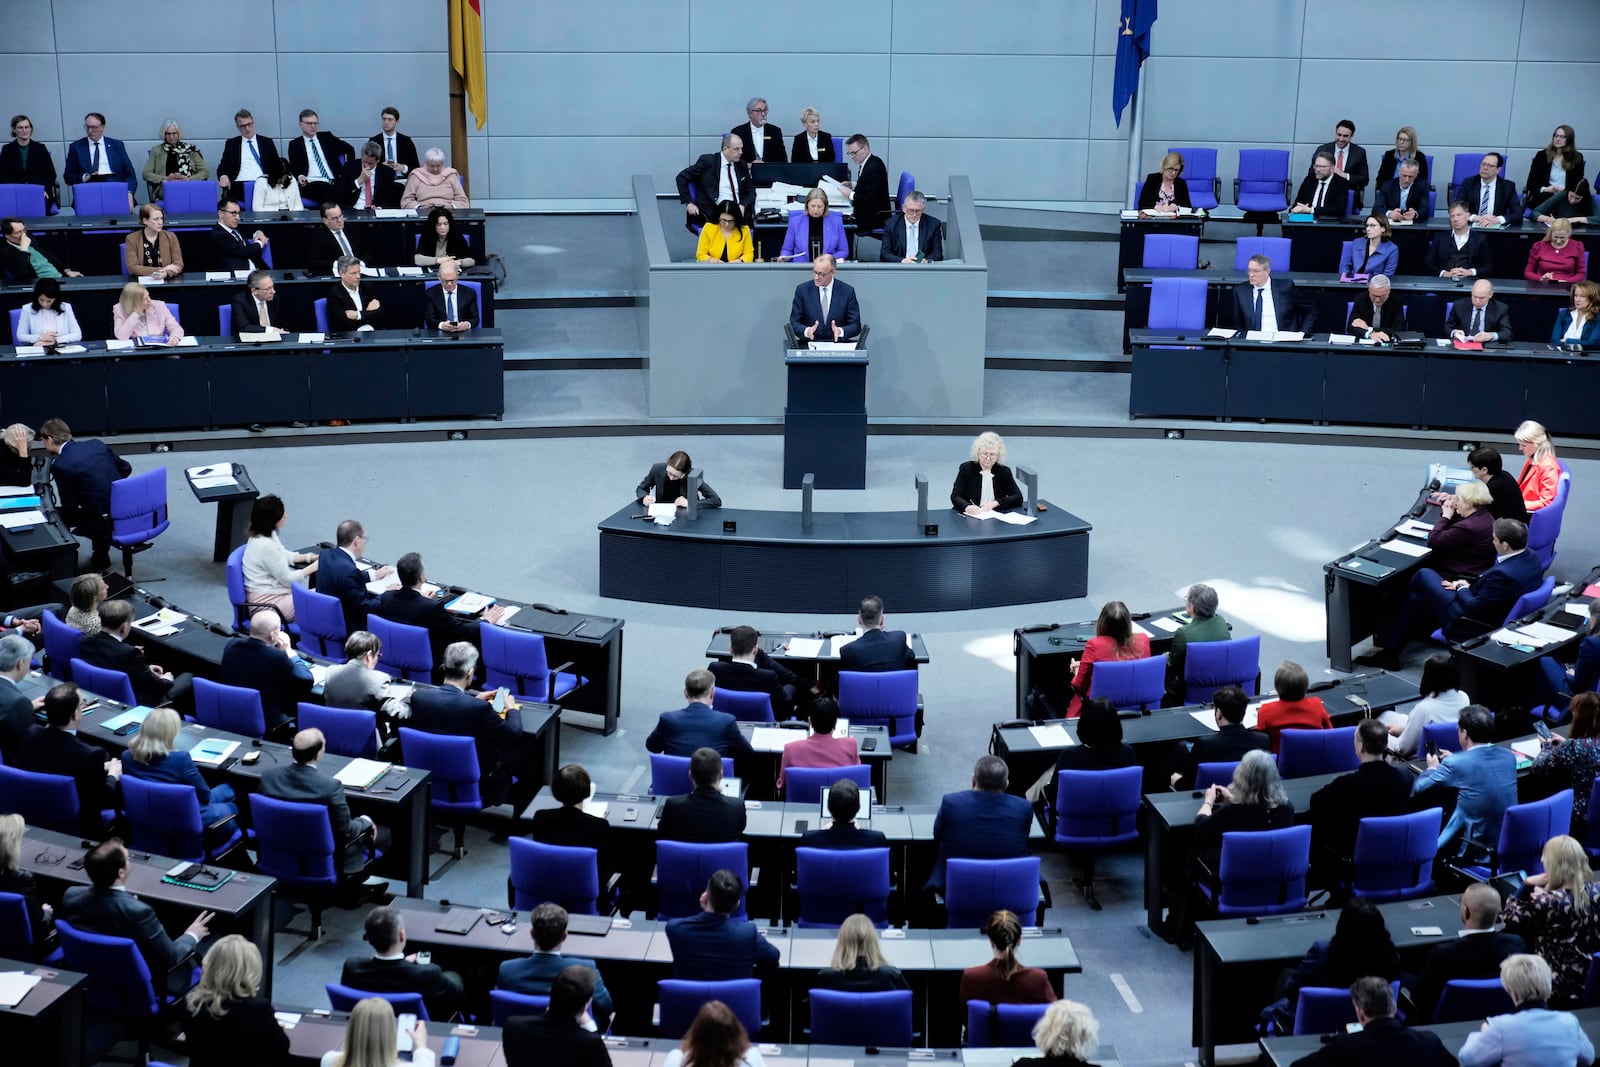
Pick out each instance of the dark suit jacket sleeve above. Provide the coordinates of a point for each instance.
(766, 952)
(893, 247)
(690, 176)
(766, 663)
(1498, 321)
(1149, 191)
(228, 164)
(155, 946)
(969, 484)
(77, 162)
(797, 312)
(647, 484)
(738, 747)
(1294, 305)
(655, 742)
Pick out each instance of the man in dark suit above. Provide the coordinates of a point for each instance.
(98, 158)
(753, 671)
(362, 184)
(1403, 198)
(1349, 159)
(1475, 953)
(696, 725)
(83, 473)
(703, 816)
(340, 574)
(713, 946)
(411, 605)
(1491, 200)
(253, 309)
(1227, 745)
(763, 142)
(877, 649)
(16, 709)
(390, 970)
(352, 303)
(450, 306)
(1480, 318)
(912, 236)
(824, 309)
(57, 749)
(334, 241)
(984, 822)
(506, 760)
(399, 152)
(1376, 313)
(1323, 193)
(246, 157)
(302, 783)
(1462, 608)
(534, 974)
(106, 907)
(1505, 499)
(1271, 304)
(713, 178)
(561, 1035)
(869, 193)
(25, 261)
(229, 248)
(1383, 1040)
(1375, 788)
(314, 158)
(1462, 252)
(267, 663)
(111, 650)
(844, 804)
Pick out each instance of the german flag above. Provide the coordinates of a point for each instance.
(466, 54)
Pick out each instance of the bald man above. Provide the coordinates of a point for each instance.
(265, 662)
(303, 783)
(1480, 317)
(450, 306)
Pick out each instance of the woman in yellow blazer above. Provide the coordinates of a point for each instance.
(729, 241)
(151, 250)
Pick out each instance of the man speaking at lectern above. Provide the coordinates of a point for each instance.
(824, 310)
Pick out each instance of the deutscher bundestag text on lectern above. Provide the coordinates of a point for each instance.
(825, 419)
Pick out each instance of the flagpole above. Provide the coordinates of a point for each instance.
(1135, 141)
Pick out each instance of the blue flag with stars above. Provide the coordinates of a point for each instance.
(1133, 45)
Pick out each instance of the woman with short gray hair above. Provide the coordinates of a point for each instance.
(173, 160)
(1067, 1034)
(433, 185)
(1254, 800)
(1533, 1034)
(984, 483)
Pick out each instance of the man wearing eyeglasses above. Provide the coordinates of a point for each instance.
(230, 248)
(763, 142)
(98, 158)
(825, 308)
(247, 157)
(253, 311)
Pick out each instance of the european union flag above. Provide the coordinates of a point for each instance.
(1133, 45)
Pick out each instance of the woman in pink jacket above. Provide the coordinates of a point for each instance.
(136, 314)
(433, 185)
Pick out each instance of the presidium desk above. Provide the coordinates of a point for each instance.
(769, 561)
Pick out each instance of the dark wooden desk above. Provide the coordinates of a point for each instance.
(1130, 245)
(1498, 675)
(1317, 244)
(49, 1020)
(1363, 587)
(1282, 1051)
(762, 783)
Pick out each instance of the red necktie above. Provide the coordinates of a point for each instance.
(366, 190)
(1341, 160)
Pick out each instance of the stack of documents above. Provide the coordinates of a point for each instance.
(1414, 528)
(774, 738)
(663, 514)
(211, 476)
(805, 647)
(360, 773)
(1281, 335)
(1404, 547)
(163, 623)
(1534, 635)
(469, 604)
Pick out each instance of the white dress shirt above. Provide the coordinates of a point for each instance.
(758, 136)
(316, 169)
(249, 169)
(105, 162)
(59, 318)
(1269, 313)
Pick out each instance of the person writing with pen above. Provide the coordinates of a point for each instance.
(662, 484)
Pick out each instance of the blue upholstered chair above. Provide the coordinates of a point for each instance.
(836, 884)
(1444, 734)
(23, 201)
(319, 313)
(1523, 833)
(1323, 1010)
(16, 929)
(345, 731)
(138, 513)
(294, 844)
(100, 198)
(683, 869)
(566, 875)
(60, 645)
(1263, 181)
(1002, 1025)
(225, 320)
(1544, 525)
(229, 707)
(503, 1004)
(746, 707)
(1180, 251)
(1261, 873)
(976, 889)
(1130, 683)
(477, 291)
(321, 621)
(1303, 753)
(1466, 999)
(907, 183)
(1207, 775)
(1526, 604)
(1466, 166)
(1096, 811)
(407, 652)
(1274, 248)
(517, 660)
(119, 984)
(46, 800)
(877, 1020)
(1205, 187)
(236, 591)
(883, 698)
(1394, 856)
(1210, 665)
(345, 998)
(453, 764)
(1177, 304)
(164, 818)
(804, 785)
(669, 775)
(103, 682)
(681, 1001)
(192, 197)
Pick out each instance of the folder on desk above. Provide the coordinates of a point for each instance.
(1463, 345)
(19, 502)
(212, 751)
(22, 519)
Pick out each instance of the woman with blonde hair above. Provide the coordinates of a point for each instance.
(716, 1038)
(984, 483)
(16, 464)
(138, 314)
(858, 965)
(1166, 191)
(1557, 257)
(1405, 147)
(369, 1038)
(1541, 471)
(83, 613)
(1067, 1035)
(815, 231)
(812, 144)
(1114, 639)
(228, 1023)
(153, 757)
(1004, 980)
(1557, 912)
(13, 879)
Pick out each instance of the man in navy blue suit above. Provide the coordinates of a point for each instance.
(98, 158)
(341, 575)
(876, 649)
(984, 822)
(696, 725)
(1463, 608)
(266, 663)
(912, 236)
(84, 471)
(507, 761)
(713, 946)
(844, 804)
(825, 309)
(534, 974)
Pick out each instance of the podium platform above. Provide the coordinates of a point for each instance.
(825, 420)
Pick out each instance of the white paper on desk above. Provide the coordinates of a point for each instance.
(1508, 636)
(186, 342)
(70, 350)
(383, 585)
(1527, 748)
(360, 773)
(1208, 718)
(507, 611)
(394, 213)
(1257, 335)
(30, 350)
(838, 642)
(319, 673)
(213, 483)
(1367, 341)
(1166, 624)
(242, 275)
(151, 279)
(1054, 735)
(663, 514)
(212, 751)
(16, 490)
(1414, 528)
(1544, 632)
(1570, 607)
(470, 603)
(409, 272)
(833, 346)
(313, 338)
(1130, 214)
(773, 738)
(1402, 222)
(14, 985)
(118, 346)
(258, 337)
(1288, 335)
(1405, 548)
(287, 1019)
(1220, 332)
(22, 519)
(1012, 518)
(1341, 338)
(210, 470)
(805, 647)
(219, 276)
(597, 808)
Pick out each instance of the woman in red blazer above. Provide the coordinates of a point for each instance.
(1114, 639)
(1557, 258)
(1293, 710)
(1540, 469)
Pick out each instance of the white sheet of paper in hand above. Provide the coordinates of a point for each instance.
(1528, 747)
(663, 514)
(383, 585)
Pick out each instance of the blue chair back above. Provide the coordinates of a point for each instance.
(1179, 251)
(1264, 872)
(838, 148)
(1130, 683)
(1394, 856)
(1177, 304)
(681, 1001)
(47, 800)
(566, 875)
(1466, 166)
(1098, 809)
(346, 731)
(236, 592)
(877, 1020)
(192, 197)
(103, 682)
(683, 869)
(477, 291)
(16, 929)
(1466, 999)
(139, 508)
(836, 884)
(453, 762)
(746, 707)
(1210, 774)
(1200, 172)
(669, 775)
(1274, 248)
(1002, 1025)
(804, 785)
(976, 889)
(229, 707)
(1591, 982)
(907, 183)
(1303, 753)
(16, 317)
(164, 818)
(321, 621)
(1263, 182)
(119, 979)
(23, 201)
(1210, 665)
(100, 198)
(60, 645)
(294, 843)
(1532, 601)
(504, 1004)
(225, 320)
(1544, 525)
(1444, 734)
(407, 652)
(345, 998)
(319, 312)
(1323, 1010)
(1528, 826)
(883, 698)
(517, 660)
(416, 241)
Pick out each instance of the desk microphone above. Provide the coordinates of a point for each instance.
(1044, 628)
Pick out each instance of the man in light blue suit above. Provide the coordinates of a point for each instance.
(1483, 776)
(533, 974)
(1532, 1033)
(825, 308)
(98, 158)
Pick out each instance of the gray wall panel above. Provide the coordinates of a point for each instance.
(30, 35)
(135, 117)
(1106, 170)
(581, 166)
(1553, 94)
(852, 95)
(32, 87)
(482, 183)
(1559, 29)
(1478, 29)
(1190, 110)
(1480, 106)
(178, 27)
(349, 94)
(839, 25)
(1235, 28)
(592, 26)
(587, 94)
(1003, 169)
(317, 26)
(990, 96)
(1021, 27)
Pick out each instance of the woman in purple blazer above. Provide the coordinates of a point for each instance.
(815, 226)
